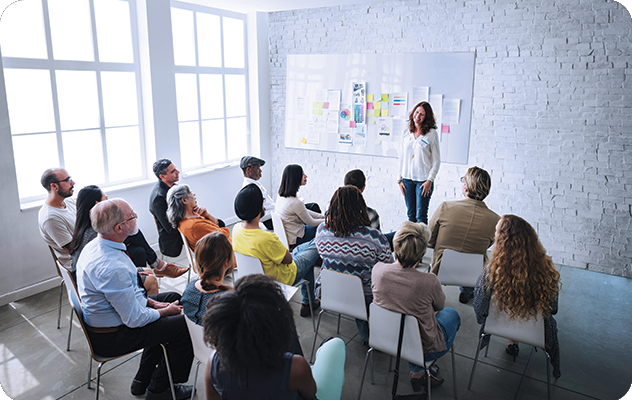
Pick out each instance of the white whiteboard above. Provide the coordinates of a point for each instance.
(310, 75)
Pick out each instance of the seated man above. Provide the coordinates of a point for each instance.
(277, 261)
(251, 166)
(58, 214)
(467, 225)
(118, 316)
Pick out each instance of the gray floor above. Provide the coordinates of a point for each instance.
(595, 321)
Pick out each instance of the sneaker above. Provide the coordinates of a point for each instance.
(138, 388)
(170, 271)
(464, 297)
(306, 312)
(183, 392)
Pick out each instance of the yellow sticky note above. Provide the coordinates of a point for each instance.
(369, 97)
(378, 142)
(315, 105)
(371, 120)
(320, 112)
(385, 113)
(314, 111)
(385, 97)
(377, 105)
(304, 141)
(320, 105)
(377, 113)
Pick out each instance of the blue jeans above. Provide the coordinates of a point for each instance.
(416, 204)
(449, 321)
(305, 256)
(310, 233)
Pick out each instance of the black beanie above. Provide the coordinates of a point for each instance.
(248, 202)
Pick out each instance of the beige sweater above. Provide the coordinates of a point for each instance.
(295, 216)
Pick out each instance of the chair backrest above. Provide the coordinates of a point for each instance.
(56, 261)
(460, 269)
(247, 265)
(71, 286)
(190, 255)
(279, 229)
(384, 334)
(530, 331)
(201, 351)
(342, 294)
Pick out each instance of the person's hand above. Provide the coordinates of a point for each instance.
(425, 191)
(146, 271)
(402, 188)
(171, 309)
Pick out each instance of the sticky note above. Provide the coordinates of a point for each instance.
(314, 111)
(372, 120)
(377, 105)
(369, 97)
(445, 128)
(352, 124)
(385, 113)
(378, 141)
(326, 106)
(315, 105)
(304, 141)
(320, 112)
(385, 97)
(369, 106)
(377, 113)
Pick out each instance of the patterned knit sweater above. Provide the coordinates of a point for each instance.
(355, 254)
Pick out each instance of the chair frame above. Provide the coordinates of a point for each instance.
(201, 351)
(460, 269)
(350, 301)
(244, 259)
(387, 338)
(190, 256)
(58, 268)
(75, 304)
(530, 332)
(279, 229)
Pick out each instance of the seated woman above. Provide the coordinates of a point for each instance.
(299, 222)
(184, 214)
(523, 280)
(401, 288)
(347, 226)
(251, 328)
(214, 260)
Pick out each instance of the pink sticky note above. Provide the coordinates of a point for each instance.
(352, 124)
(369, 105)
(326, 105)
(445, 128)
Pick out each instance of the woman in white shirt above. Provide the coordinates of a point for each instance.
(419, 161)
(299, 222)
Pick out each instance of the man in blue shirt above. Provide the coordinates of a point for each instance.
(119, 318)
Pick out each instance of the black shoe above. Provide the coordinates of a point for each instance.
(138, 388)
(183, 392)
(306, 312)
(418, 383)
(464, 297)
(512, 349)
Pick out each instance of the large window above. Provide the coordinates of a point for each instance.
(211, 84)
(72, 85)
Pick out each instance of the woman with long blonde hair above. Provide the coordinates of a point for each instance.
(523, 280)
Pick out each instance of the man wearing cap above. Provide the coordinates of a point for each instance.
(277, 261)
(252, 173)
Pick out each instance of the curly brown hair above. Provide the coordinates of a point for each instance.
(347, 211)
(521, 275)
(428, 123)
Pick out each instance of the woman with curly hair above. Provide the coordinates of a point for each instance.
(251, 329)
(419, 161)
(214, 260)
(523, 280)
(347, 243)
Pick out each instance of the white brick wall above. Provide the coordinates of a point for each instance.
(551, 121)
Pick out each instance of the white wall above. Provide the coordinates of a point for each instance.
(552, 112)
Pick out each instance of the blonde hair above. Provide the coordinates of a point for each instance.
(410, 243)
(478, 183)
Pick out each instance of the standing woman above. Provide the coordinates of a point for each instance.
(524, 282)
(299, 222)
(419, 161)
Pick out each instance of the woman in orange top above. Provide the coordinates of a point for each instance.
(184, 214)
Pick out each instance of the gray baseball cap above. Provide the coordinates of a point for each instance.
(248, 161)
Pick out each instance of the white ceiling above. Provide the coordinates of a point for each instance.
(245, 6)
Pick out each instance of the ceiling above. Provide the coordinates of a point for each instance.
(245, 6)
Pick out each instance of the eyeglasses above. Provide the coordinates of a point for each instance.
(134, 216)
(68, 179)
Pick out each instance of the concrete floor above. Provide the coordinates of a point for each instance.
(595, 321)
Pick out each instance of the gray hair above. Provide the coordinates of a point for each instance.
(410, 243)
(175, 206)
(105, 215)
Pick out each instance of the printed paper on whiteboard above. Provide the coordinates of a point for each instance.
(420, 93)
(399, 107)
(451, 110)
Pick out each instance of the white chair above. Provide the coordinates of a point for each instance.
(247, 265)
(530, 332)
(384, 336)
(61, 285)
(279, 229)
(340, 294)
(75, 303)
(460, 269)
(201, 351)
(66, 280)
(190, 257)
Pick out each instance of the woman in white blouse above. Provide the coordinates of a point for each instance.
(419, 161)
(299, 222)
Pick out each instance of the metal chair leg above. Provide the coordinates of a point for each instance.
(61, 293)
(99, 379)
(547, 360)
(523, 372)
(173, 392)
(70, 331)
(366, 360)
(197, 369)
(89, 372)
(338, 329)
(456, 396)
(311, 358)
(478, 349)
